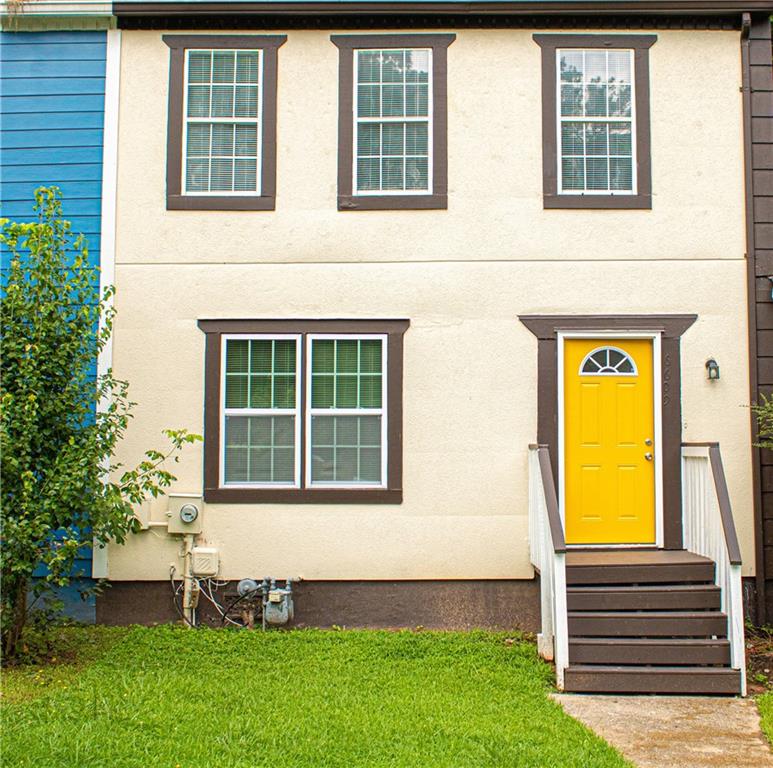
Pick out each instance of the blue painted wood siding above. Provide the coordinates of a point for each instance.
(52, 101)
(52, 106)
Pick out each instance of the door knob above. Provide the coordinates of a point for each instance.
(648, 456)
(648, 441)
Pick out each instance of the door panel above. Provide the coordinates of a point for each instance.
(609, 481)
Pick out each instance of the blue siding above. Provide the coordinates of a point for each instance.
(52, 96)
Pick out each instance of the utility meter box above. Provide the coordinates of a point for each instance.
(205, 561)
(184, 513)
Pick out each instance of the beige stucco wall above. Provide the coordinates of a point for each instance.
(461, 276)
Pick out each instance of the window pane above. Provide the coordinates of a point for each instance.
(222, 101)
(620, 138)
(284, 356)
(393, 100)
(368, 174)
(368, 139)
(596, 139)
(246, 143)
(198, 101)
(416, 173)
(223, 66)
(393, 135)
(260, 391)
(245, 175)
(247, 67)
(368, 66)
(393, 68)
(620, 101)
(261, 355)
(236, 391)
(417, 66)
(221, 175)
(346, 449)
(597, 173)
(222, 139)
(370, 355)
(368, 101)
(571, 100)
(259, 449)
(199, 66)
(417, 100)
(346, 356)
(237, 356)
(619, 67)
(346, 391)
(621, 173)
(572, 173)
(260, 373)
(323, 356)
(416, 138)
(322, 391)
(596, 100)
(198, 139)
(595, 66)
(570, 64)
(246, 101)
(392, 173)
(572, 139)
(370, 392)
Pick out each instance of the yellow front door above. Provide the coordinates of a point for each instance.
(609, 464)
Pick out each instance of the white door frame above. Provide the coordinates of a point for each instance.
(655, 337)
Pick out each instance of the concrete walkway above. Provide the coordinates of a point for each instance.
(676, 731)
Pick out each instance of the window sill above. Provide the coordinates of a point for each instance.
(219, 203)
(392, 202)
(303, 495)
(613, 202)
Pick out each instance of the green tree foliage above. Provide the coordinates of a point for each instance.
(59, 428)
(763, 411)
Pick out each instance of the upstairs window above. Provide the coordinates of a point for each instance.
(221, 133)
(595, 114)
(392, 130)
(222, 123)
(595, 121)
(393, 121)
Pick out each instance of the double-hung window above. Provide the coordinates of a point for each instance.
(222, 127)
(596, 131)
(392, 133)
(221, 138)
(595, 115)
(303, 410)
(393, 121)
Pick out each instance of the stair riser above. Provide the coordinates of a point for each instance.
(651, 682)
(640, 574)
(621, 654)
(647, 626)
(599, 600)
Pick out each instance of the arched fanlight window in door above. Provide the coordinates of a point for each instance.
(608, 361)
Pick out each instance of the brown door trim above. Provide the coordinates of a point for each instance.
(546, 328)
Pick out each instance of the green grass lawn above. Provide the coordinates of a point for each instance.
(167, 696)
(765, 705)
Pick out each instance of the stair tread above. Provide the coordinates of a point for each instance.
(675, 641)
(646, 614)
(635, 588)
(603, 669)
(633, 557)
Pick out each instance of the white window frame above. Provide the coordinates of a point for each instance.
(223, 120)
(579, 119)
(429, 119)
(383, 411)
(224, 412)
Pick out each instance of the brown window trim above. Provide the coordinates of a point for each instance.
(640, 45)
(438, 199)
(175, 200)
(671, 327)
(215, 493)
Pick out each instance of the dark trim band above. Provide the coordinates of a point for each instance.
(546, 328)
(214, 493)
(550, 154)
(175, 200)
(438, 199)
(390, 8)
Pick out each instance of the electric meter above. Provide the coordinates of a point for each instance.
(188, 513)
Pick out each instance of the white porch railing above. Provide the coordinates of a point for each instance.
(708, 530)
(548, 556)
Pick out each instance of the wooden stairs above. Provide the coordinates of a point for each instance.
(646, 621)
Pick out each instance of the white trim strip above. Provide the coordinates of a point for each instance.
(99, 564)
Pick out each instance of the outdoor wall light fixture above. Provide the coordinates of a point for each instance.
(770, 277)
(712, 369)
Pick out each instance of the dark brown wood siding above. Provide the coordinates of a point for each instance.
(758, 108)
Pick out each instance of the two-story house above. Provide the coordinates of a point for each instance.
(457, 293)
